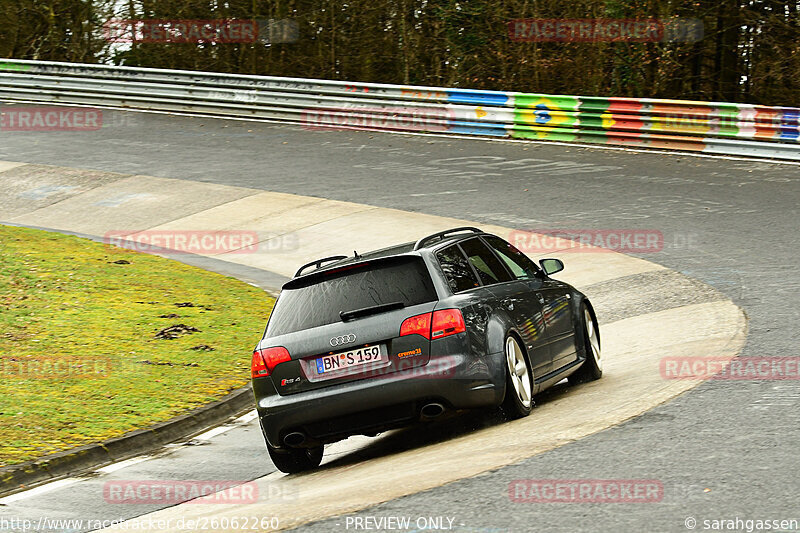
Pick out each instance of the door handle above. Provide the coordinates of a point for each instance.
(541, 298)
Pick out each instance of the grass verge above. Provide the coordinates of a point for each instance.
(96, 341)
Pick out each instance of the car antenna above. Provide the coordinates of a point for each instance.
(355, 255)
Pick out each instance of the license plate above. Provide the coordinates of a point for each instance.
(349, 359)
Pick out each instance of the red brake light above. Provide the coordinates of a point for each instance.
(434, 325)
(265, 361)
(419, 324)
(447, 322)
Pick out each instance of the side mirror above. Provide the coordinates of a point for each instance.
(551, 266)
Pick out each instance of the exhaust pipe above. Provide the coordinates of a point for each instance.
(294, 439)
(431, 410)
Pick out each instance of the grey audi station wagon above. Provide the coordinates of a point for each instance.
(365, 343)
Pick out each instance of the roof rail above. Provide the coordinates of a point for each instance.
(318, 263)
(420, 243)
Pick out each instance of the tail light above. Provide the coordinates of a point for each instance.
(447, 322)
(434, 325)
(265, 361)
(420, 325)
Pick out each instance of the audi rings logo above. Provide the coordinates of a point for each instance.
(343, 339)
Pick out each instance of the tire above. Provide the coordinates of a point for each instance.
(518, 400)
(592, 368)
(293, 460)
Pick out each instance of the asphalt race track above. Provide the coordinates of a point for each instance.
(723, 450)
(649, 313)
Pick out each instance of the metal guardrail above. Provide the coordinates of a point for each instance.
(712, 127)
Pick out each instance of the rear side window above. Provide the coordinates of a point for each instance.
(487, 265)
(519, 264)
(318, 300)
(456, 269)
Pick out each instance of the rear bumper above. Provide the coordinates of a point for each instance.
(379, 403)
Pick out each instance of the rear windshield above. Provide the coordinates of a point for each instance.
(319, 302)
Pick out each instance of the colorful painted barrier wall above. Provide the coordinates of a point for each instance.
(713, 127)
